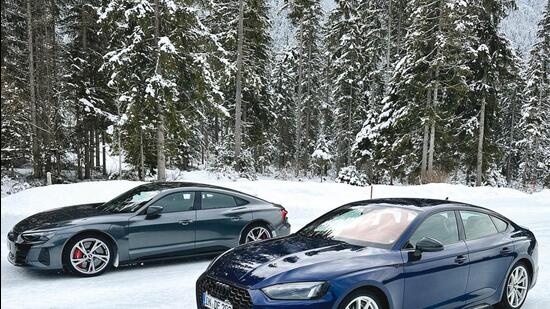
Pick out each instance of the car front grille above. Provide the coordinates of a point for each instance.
(238, 297)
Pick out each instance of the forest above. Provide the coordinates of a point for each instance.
(370, 91)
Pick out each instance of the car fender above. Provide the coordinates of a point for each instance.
(375, 279)
(519, 257)
(104, 229)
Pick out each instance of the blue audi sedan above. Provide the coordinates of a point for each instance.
(381, 254)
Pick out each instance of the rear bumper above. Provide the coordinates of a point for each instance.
(282, 230)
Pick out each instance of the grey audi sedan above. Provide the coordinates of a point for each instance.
(152, 221)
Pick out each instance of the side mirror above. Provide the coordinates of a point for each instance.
(153, 212)
(427, 244)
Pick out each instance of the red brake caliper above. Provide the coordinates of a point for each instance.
(78, 254)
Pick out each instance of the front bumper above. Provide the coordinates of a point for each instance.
(37, 255)
(242, 297)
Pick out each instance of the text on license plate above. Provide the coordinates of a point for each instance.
(214, 303)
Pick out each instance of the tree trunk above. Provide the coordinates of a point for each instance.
(161, 159)
(104, 156)
(425, 142)
(91, 146)
(509, 169)
(435, 101)
(97, 142)
(238, 84)
(431, 150)
(37, 171)
(350, 127)
(86, 151)
(481, 134)
(298, 149)
(141, 156)
(387, 73)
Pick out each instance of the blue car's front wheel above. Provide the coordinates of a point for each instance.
(362, 299)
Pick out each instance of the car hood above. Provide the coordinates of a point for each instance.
(58, 217)
(296, 258)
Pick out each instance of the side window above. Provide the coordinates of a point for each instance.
(211, 200)
(477, 224)
(441, 226)
(175, 202)
(500, 224)
(240, 201)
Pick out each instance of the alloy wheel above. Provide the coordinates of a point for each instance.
(518, 284)
(90, 256)
(257, 234)
(362, 302)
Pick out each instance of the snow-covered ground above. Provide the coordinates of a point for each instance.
(172, 284)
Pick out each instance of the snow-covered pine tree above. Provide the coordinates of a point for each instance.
(16, 140)
(305, 16)
(427, 84)
(535, 121)
(283, 89)
(322, 155)
(511, 96)
(222, 19)
(492, 56)
(160, 68)
(85, 94)
(345, 45)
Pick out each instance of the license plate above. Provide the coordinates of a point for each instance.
(214, 303)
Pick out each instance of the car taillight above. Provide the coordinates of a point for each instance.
(284, 213)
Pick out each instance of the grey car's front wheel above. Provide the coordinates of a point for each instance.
(88, 255)
(256, 232)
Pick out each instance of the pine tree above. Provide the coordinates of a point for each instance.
(222, 19)
(160, 68)
(346, 48)
(535, 165)
(284, 89)
(493, 55)
(428, 82)
(16, 140)
(306, 16)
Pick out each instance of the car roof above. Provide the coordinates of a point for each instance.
(183, 184)
(421, 204)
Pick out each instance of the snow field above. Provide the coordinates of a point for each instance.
(164, 285)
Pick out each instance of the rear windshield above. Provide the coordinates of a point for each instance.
(376, 224)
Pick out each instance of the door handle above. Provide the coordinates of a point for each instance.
(506, 251)
(185, 222)
(236, 218)
(461, 259)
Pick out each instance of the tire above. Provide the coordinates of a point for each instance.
(80, 260)
(264, 233)
(363, 297)
(522, 277)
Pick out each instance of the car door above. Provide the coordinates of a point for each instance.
(220, 220)
(436, 279)
(491, 254)
(172, 232)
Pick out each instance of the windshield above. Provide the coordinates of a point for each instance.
(362, 225)
(132, 200)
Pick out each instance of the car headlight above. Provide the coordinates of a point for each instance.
(36, 237)
(296, 290)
